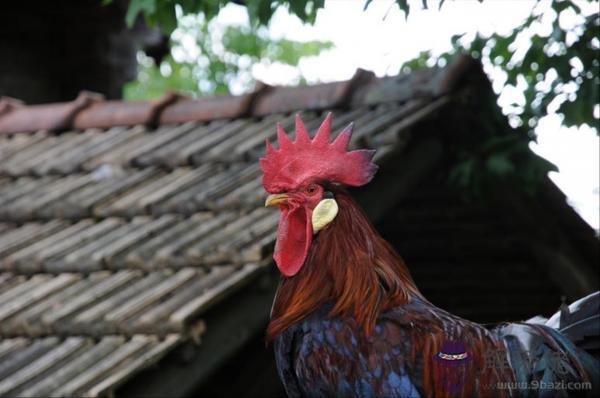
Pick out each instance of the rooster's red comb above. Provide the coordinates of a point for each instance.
(295, 162)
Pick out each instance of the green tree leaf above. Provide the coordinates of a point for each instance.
(148, 7)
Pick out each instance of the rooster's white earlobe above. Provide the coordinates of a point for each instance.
(323, 214)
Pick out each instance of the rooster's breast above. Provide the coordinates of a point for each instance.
(323, 357)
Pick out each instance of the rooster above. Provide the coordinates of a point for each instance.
(348, 320)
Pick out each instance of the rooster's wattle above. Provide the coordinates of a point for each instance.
(348, 319)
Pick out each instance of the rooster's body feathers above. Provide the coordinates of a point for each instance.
(323, 356)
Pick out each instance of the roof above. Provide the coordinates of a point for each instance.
(123, 223)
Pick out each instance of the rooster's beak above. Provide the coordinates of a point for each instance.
(276, 199)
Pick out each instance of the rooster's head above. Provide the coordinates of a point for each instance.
(296, 176)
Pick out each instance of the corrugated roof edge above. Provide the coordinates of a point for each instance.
(90, 110)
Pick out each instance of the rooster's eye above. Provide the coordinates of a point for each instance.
(311, 189)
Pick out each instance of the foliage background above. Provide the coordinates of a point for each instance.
(210, 58)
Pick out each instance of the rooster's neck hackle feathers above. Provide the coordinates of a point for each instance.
(305, 158)
(350, 266)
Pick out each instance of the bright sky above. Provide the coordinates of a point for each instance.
(381, 39)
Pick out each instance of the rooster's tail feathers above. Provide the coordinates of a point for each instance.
(580, 322)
